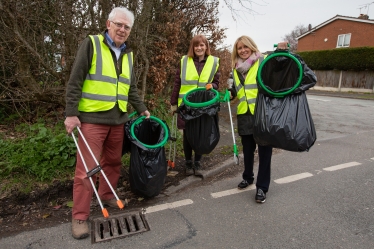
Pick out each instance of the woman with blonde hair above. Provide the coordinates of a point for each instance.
(197, 69)
(246, 59)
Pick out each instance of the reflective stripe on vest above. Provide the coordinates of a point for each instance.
(190, 78)
(247, 94)
(101, 88)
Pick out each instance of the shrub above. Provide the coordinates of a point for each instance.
(356, 59)
(44, 153)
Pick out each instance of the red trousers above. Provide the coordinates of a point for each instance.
(105, 142)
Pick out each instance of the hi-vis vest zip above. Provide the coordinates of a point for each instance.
(190, 78)
(247, 94)
(102, 88)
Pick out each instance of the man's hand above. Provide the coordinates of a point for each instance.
(146, 114)
(71, 123)
(208, 86)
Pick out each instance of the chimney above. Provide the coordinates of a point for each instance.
(309, 27)
(363, 16)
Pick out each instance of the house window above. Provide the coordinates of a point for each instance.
(344, 40)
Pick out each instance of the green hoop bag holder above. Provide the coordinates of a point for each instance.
(199, 110)
(148, 166)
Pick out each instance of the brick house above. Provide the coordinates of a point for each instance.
(339, 31)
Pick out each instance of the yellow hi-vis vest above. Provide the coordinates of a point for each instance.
(102, 88)
(247, 94)
(190, 78)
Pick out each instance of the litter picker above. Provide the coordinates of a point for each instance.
(235, 148)
(171, 163)
(93, 172)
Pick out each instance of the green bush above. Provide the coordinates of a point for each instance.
(44, 153)
(355, 59)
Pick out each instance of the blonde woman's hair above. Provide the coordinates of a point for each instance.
(247, 41)
(196, 40)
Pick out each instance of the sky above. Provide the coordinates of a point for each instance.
(273, 19)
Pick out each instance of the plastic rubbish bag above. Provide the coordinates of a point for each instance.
(148, 167)
(201, 122)
(284, 121)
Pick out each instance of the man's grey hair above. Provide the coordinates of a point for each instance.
(124, 11)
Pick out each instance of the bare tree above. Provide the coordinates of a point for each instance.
(162, 33)
(242, 7)
(291, 37)
(40, 38)
(38, 43)
(225, 66)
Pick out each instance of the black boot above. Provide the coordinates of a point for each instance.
(189, 168)
(197, 168)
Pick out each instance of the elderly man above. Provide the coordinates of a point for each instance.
(101, 85)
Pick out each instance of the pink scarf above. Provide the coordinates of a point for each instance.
(243, 66)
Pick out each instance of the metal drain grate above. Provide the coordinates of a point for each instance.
(118, 226)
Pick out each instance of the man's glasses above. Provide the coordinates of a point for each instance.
(121, 25)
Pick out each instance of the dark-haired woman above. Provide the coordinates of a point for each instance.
(197, 69)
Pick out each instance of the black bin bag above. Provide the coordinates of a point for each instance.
(282, 116)
(148, 166)
(200, 110)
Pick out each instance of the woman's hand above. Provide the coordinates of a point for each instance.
(282, 45)
(173, 109)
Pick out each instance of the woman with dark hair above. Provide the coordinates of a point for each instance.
(246, 59)
(197, 69)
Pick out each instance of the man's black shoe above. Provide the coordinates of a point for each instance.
(243, 184)
(260, 196)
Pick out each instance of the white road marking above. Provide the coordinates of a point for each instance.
(342, 166)
(318, 171)
(324, 100)
(232, 191)
(168, 206)
(283, 180)
(293, 178)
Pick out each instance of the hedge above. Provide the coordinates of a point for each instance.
(355, 59)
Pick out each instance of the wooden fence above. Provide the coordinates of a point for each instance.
(345, 81)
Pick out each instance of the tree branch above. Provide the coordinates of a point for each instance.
(27, 45)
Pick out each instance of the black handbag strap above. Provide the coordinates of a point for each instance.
(241, 78)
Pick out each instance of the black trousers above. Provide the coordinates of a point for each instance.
(264, 155)
(188, 149)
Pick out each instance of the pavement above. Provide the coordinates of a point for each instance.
(188, 181)
(350, 94)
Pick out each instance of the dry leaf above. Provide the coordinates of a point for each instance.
(172, 173)
(46, 216)
(70, 204)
